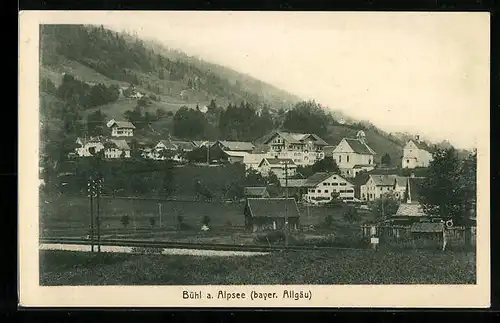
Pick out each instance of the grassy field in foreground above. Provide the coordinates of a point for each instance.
(307, 267)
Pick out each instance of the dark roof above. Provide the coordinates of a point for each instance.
(384, 180)
(272, 207)
(328, 150)
(359, 147)
(410, 209)
(120, 144)
(414, 184)
(427, 227)
(168, 144)
(255, 191)
(401, 180)
(298, 182)
(317, 178)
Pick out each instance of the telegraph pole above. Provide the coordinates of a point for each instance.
(99, 181)
(286, 206)
(159, 212)
(208, 153)
(90, 190)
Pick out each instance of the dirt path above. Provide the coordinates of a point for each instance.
(166, 251)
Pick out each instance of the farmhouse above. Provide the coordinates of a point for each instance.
(281, 167)
(294, 187)
(121, 128)
(256, 192)
(116, 148)
(271, 214)
(354, 155)
(416, 154)
(321, 187)
(302, 148)
(376, 186)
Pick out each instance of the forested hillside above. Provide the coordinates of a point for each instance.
(86, 71)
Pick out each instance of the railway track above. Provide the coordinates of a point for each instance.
(178, 245)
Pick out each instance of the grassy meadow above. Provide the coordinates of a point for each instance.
(304, 267)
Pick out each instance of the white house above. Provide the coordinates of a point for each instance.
(376, 186)
(320, 187)
(302, 148)
(116, 148)
(416, 154)
(354, 155)
(121, 128)
(234, 146)
(399, 188)
(281, 167)
(252, 161)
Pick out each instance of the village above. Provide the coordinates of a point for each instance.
(357, 184)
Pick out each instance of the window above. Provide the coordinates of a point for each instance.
(335, 184)
(370, 161)
(340, 159)
(343, 184)
(319, 191)
(326, 191)
(350, 191)
(324, 184)
(347, 158)
(407, 161)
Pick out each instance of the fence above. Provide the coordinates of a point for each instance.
(401, 234)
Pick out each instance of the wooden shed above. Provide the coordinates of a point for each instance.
(270, 214)
(428, 234)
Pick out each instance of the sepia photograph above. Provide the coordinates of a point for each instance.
(255, 157)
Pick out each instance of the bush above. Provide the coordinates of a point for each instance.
(328, 220)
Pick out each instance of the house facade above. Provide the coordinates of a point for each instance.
(416, 154)
(320, 187)
(376, 186)
(172, 149)
(354, 155)
(281, 167)
(121, 128)
(235, 156)
(252, 161)
(302, 148)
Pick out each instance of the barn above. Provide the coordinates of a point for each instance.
(263, 214)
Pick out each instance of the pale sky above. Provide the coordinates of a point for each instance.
(423, 73)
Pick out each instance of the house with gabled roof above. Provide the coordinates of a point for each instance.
(116, 148)
(302, 148)
(376, 186)
(322, 186)
(416, 153)
(263, 214)
(173, 147)
(281, 167)
(121, 128)
(353, 155)
(399, 188)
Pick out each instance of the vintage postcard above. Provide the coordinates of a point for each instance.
(254, 159)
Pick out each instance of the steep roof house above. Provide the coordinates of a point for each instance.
(353, 155)
(281, 167)
(271, 214)
(416, 153)
(121, 128)
(116, 148)
(376, 185)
